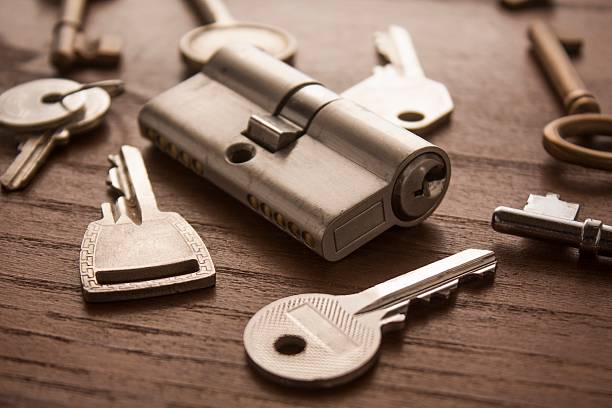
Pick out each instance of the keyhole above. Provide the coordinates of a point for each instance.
(433, 183)
(290, 345)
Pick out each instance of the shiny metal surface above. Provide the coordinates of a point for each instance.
(111, 86)
(399, 91)
(318, 340)
(328, 172)
(583, 107)
(549, 218)
(220, 29)
(35, 150)
(22, 108)
(135, 250)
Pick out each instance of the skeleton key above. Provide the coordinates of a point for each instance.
(399, 91)
(135, 250)
(320, 340)
(35, 150)
(70, 45)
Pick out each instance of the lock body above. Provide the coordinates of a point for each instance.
(328, 172)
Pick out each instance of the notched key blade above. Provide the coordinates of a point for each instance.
(551, 206)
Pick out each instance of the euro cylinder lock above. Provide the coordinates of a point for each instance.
(322, 168)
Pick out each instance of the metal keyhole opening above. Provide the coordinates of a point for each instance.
(240, 153)
(410, 116)
(432, 183)
(290, 345)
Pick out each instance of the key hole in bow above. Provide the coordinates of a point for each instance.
(52, 97)
(290, 344)
(410, 116)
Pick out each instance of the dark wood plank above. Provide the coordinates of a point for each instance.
(538, 336)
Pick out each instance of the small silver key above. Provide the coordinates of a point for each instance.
(549, 218)
(35, 150)
(320, 340)
(400, 92)
(135, 250)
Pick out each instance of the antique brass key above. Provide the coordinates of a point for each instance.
(72, 47)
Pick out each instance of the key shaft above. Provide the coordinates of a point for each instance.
(70, 46)
(63, 52)
(404, 56)
(32, 156)
(130, 178)
(212, 11)
(555, 62)
(444, 273)
(589, 236)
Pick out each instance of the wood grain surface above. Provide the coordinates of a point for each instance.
(539, 336)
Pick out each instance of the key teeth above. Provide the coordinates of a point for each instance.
(114, 160)
(442, 292)
(394, 322)
(381, 43)
(485, 273)
(112, 180)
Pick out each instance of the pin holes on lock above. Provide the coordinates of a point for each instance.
(239, 153)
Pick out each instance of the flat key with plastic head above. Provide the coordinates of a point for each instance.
(35, 150)
(584, 118)
(399, 91)
(220, 29)
(135, 250)
(320, 340)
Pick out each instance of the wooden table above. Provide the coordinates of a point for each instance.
(540, 335)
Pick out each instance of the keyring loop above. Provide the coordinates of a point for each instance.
(580, 125)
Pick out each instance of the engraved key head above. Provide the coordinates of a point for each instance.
(312, 340)
(418, 104)
(135, 250)
(22, 108)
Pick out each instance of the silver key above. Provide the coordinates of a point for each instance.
(135, 250)
(399, 91)
(549, 218)
(319, 340)
(35, 150)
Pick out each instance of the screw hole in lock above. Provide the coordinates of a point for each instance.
(410, 116)
(240, 153)
(290, 345)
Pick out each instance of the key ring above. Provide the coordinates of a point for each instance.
(581, 125)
